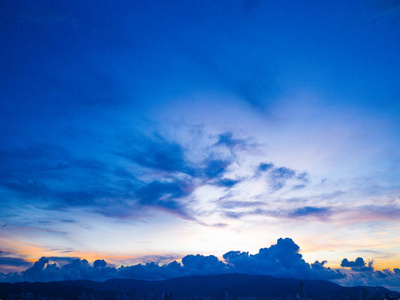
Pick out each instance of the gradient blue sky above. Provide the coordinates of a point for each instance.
(145, 131)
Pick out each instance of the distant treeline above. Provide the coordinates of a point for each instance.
(213, 287)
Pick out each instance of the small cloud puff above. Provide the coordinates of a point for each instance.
(357, 265)
(263, 167)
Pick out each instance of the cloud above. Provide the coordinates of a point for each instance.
(300, 212)
(226, 139)
(320, 212)
(14, 261)
(151, 172)
(282, 259)
(47, 270)
(278, 176)
(263, 167)
(389, 211)
(156, 153)
(200, 264)
(357, 265)
(226, 182)
(167, 178)
(303, 177)
(165, 195)
(360, 274)
(318, 265)
(215, 168)
(282, 173)
(100, 263)
(240, 204)
(68, 221)
(63, 260)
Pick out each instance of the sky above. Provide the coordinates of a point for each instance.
(154, 139)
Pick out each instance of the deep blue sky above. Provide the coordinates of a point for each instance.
(137, 131)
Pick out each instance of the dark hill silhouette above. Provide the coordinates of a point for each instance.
(237, 285)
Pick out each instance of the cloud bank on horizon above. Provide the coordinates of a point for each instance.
(221, 124)
(280, 260)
